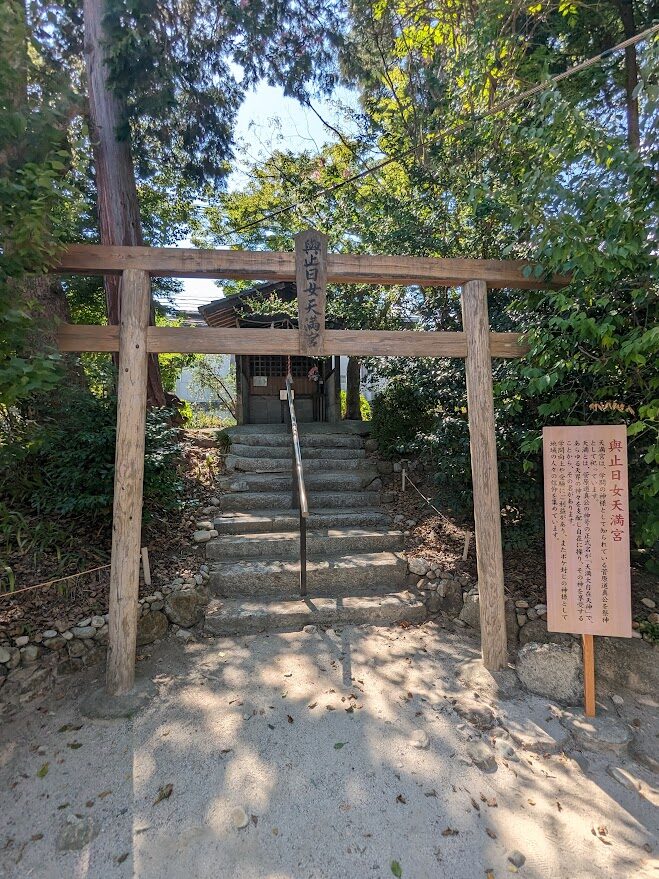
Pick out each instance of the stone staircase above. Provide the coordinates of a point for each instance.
(355, 567)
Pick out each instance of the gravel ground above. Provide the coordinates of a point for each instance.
(345, 754)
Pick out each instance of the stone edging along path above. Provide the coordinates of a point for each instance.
(29, 662)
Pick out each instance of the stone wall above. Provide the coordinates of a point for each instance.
(29, 662)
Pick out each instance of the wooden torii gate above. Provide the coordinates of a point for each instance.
(134, 340)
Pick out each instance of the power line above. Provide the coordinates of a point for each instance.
(496, 108)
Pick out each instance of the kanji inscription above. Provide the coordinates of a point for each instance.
(311, 282)
(587, 530)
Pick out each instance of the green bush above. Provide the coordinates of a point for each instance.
(364, 406)
(400, 413)
(59, 461)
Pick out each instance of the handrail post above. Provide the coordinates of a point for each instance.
(299, 494)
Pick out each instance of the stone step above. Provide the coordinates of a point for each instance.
(331, 576)
(286, 544)
(264, 521)
(268, 500)
(245, 616)
(286, 450)
(259, 464)
(314, 481)
(271, 438)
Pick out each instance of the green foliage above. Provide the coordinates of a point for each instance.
(60, 462)
(364, 406)
(33, 158)
(401, 413)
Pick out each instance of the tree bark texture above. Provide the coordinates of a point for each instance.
(626, 11)
(118, 205)
(353, 379)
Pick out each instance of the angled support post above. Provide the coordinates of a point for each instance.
(128, 477)
(482, 441)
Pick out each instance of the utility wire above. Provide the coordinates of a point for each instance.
(496, 108)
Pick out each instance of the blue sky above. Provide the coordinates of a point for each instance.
(268, 120)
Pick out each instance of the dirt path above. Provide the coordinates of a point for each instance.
(363, 753)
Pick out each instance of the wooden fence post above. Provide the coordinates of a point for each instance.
(128, 476)
(482, 440)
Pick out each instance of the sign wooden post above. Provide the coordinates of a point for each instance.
(587, 537)
(128, 477)
(311, 283)
(483, 446)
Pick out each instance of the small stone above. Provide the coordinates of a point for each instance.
(214, 502)
(49, 633)
(599, 733)
(83, 631)
(67, 634)
(309, 630)
(205, 525)
(185, 635)
(76, 648)
(516, 858)
(86, 622)
(5, 655)
(239, 818)
(522, 604)
(617, 700)
(482, 757)
(417, 566)
(531, 614)
(22, 641)
(506, 751)
(419, 739)
(521, 619)
(653, 618)
(77, 833)
(157, 605)
(648, 602)
(201, 536)
(540, 609)
(29, 654)
(213, 532)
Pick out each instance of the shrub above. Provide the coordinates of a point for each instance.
(364, 406)
(59, 461)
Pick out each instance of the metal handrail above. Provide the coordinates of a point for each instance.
(299, 490)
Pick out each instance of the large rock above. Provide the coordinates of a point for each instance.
(628, 663)
(449, 597)
(471, 615)
(151, 626)
(535, 631)
(185, 608)
(552, 671)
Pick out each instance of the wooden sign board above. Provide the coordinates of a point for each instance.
(587, 530)
(311, 283)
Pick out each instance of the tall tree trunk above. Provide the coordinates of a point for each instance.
(353, 379)
(118, 205)
(626, 11)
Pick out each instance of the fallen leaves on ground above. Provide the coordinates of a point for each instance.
(450, 831)
(396, 869)
(42, 772)
(339, 745)
(164, 793)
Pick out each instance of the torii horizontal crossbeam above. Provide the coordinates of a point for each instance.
(178, 262)
(363, 343)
